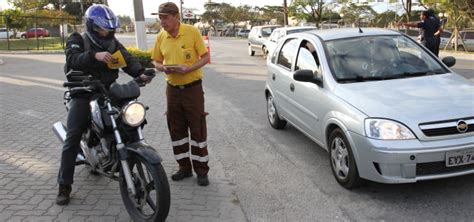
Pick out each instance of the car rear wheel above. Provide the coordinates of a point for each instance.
(272, 114)
(342, 160)
(251, 52)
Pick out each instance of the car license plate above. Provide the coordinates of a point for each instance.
(461, 157)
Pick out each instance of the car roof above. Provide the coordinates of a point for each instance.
(297, 27)
(331, 34)
(266, 26)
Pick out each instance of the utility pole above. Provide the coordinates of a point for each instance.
(140, 32)
(285, 12)
(181, 10)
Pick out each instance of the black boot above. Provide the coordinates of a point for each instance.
(63, 194)
(181, 175)
(202, 180)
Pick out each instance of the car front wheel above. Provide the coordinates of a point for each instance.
(251, 52)
(272, 114)
(342, 160)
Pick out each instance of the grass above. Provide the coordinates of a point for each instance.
(49, 43)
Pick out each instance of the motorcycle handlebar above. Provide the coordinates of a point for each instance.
(149, 72)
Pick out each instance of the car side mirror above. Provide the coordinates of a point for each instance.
(306, 75)
(449, 61)
(259, 36)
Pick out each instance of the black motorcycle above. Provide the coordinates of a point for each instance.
(113, 145)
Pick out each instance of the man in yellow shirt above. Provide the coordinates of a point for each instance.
(180, 52)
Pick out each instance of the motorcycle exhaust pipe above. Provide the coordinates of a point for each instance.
(60, 131)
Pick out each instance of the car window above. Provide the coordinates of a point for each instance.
(287, 53)
(274, 36)
(253, 32)
(306, 59)
(380, 58)
(446, 35)
(267, 31)
(469, 35)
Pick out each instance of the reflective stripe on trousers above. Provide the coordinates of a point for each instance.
(185, 115)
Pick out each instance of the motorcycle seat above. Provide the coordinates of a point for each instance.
(129, 90)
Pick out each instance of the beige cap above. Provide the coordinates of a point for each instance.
(168, 8)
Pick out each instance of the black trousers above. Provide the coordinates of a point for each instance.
(77, 122)
(430, 43)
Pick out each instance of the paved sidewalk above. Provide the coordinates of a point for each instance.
(30, 102)
(457, 55)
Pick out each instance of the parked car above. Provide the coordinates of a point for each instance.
(384, 108)
(270, 44)
(468, 38)
(257, 35)
(3, 33)
(33, 32)
(243, 33)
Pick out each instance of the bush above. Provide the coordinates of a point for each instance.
(144, 57)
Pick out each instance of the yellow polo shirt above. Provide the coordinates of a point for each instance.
(185, 49)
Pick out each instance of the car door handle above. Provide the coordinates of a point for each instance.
(292, 87)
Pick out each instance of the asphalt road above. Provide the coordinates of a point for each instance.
(283, 176)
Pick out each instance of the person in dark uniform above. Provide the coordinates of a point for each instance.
(92, 58)
(439, 29)
(428, 28)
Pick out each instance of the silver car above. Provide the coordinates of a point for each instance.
(270, 44)
(384, 108)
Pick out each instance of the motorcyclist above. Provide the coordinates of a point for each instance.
(96, 56)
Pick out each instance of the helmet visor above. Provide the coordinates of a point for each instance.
(100, 29)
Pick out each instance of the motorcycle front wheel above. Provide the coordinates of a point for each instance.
(152, 199)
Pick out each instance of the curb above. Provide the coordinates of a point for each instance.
(32, 52)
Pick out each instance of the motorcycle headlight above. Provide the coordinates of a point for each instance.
(133, 114)
(384, 129)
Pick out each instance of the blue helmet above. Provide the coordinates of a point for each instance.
(102, 17)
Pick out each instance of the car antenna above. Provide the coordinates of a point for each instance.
(360, 30)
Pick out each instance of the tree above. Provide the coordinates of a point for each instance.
(310, 10)
(68, 5)
(272, 12)
(12, 19)
(354, 13)
(407, 7)
(384, 19)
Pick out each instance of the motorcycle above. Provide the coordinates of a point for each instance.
(113, 145)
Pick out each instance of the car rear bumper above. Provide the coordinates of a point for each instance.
(409, 160)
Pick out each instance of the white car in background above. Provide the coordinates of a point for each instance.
(3, 34)
(270, 44)
(468, 38)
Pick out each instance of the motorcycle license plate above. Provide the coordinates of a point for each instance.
(460, 157)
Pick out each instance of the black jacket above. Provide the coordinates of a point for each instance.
(79, 59)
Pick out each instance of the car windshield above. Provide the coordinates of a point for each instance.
(372, 58)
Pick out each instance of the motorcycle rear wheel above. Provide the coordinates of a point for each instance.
(152, 199)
